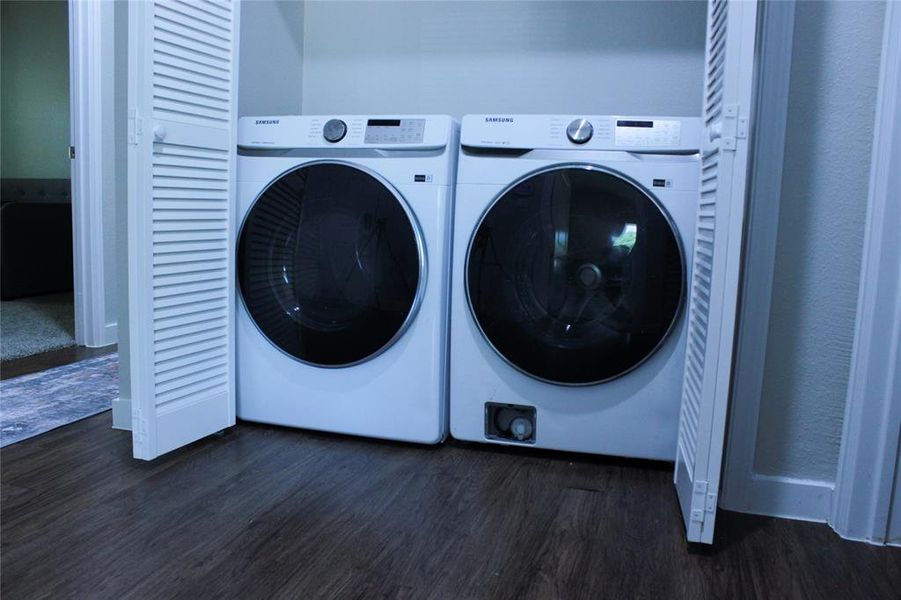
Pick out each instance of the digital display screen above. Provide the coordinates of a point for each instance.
(648, 124)
(394, 131)
(383, 123)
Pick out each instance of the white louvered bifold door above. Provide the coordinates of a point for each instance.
(181, 167)
(713, 291)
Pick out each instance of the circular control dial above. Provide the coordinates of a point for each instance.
(579, 131)
(334, 130)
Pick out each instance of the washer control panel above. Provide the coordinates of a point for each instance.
(679, 135)
(394, 131)
(651, 133)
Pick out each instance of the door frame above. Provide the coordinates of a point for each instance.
(92, 134)
(744, 489)
(862, 507)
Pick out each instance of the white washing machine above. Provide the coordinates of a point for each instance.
(343, 273)
(572, 238)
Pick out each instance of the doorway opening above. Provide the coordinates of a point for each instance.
(38, 308)
(58, 298)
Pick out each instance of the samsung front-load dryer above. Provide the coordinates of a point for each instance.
(569, 281)
(343, 273)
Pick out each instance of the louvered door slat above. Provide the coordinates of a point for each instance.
(198, 97)
(201, 71)
(181, 187)
(207, 364)
(187, 36)
(191, 316)
(174, 258)
(177, 356)
(197, 17)
(187, 161)
(731, 37)
(162, 368)
(219, 5)
(171, 400)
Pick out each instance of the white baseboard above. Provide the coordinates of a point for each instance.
(785, 497)
(107, 336)
(111, 334)
(122, 414)
(870, 541)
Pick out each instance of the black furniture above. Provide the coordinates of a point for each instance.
(35, 237)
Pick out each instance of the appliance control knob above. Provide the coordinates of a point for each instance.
(579, 131)
(334, 130)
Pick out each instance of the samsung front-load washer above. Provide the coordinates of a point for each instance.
(571, 238)
(343, 273)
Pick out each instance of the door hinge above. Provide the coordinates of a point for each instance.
(734, 126)
(134, 127)
(702, 502)
(71, 152)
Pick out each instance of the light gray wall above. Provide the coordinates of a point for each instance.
(271, 57)
(34, 89)
(529, 57)
(835, 66)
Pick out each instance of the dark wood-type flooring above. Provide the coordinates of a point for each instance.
(268, 512)
(47, 360)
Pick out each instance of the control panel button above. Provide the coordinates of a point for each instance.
(648, 134)
(579, 131)
(381, 131)
(334, 130)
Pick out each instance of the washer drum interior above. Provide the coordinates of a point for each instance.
(575, 275)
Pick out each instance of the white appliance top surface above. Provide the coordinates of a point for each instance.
(395, 132)
(582, 132)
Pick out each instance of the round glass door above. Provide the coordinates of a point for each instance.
(575, 275)
(330, 264)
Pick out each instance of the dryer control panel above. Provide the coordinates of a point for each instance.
(394, 132)
(678, 135)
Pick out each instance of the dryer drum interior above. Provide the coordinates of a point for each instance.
(330, 264)
(575, 275)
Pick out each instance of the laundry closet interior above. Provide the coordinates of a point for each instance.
(384, 58)
(457, 58)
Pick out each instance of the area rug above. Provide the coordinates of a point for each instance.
(36, 403)
(34, 325)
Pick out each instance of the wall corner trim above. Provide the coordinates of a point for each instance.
(744, 489)
(90, 32)
(866, 479)
(122, 414)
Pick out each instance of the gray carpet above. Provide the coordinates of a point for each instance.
(38, 324)
(35, 403)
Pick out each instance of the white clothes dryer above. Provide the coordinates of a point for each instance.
(570, 271)
(343, 273)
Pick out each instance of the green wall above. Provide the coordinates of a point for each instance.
(34, 89)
